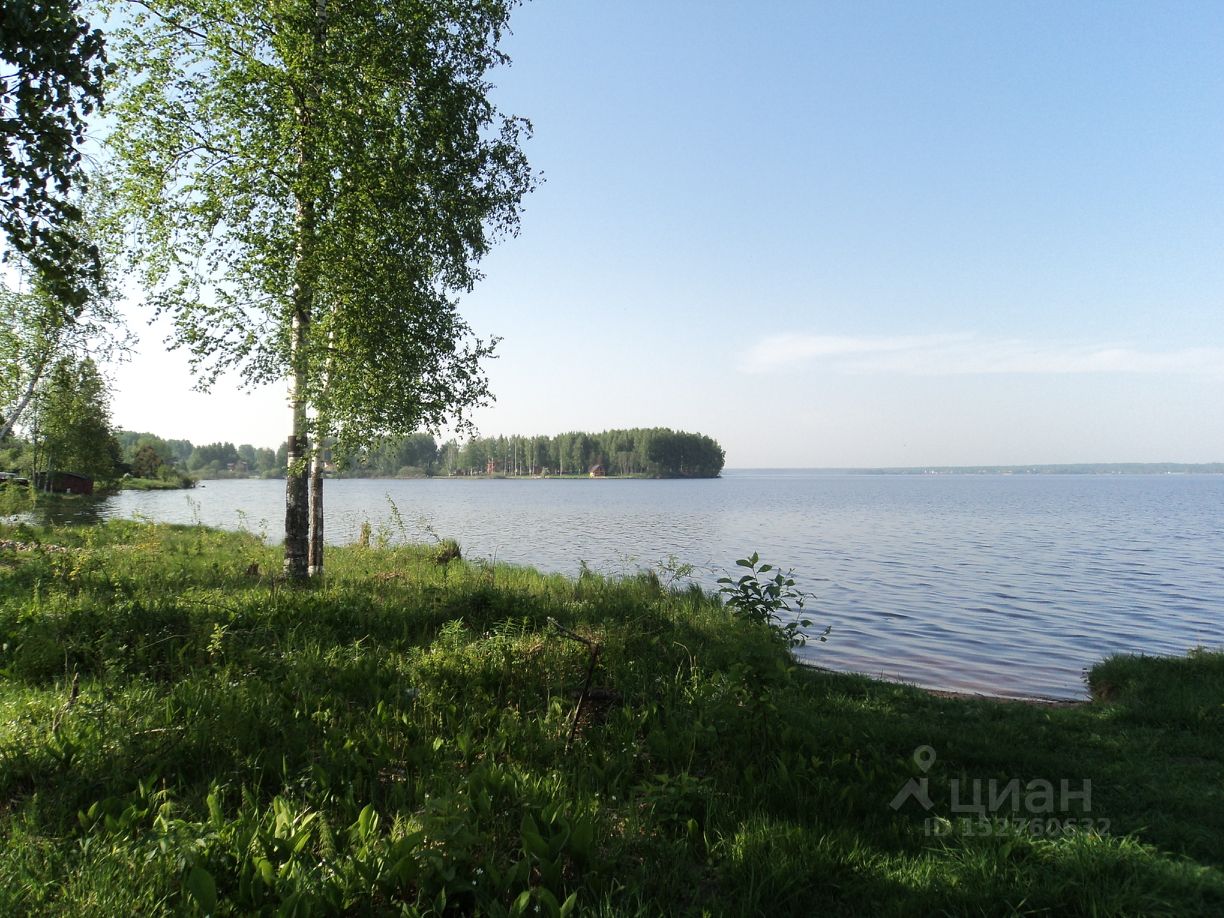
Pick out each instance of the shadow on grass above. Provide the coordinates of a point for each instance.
(398, 735)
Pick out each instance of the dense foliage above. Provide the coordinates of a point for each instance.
(52, 65)
(647, 452)
(149, 452)
(653, 452)
(67, 427)
(71, 427)
(39, 328)
(310, 186)
(409, 457)
(180, 733)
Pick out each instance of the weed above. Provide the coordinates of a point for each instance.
(772, 601)
(672, 572)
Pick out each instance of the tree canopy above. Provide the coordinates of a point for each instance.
(52, 65)
(649, 452)
(39, 327)
(312, 185)
(71, 426)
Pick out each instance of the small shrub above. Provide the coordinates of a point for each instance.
(772, 601)
(447, 551)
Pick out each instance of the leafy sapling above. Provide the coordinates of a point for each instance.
(774, 601)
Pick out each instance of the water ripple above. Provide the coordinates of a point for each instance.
(1007, 585)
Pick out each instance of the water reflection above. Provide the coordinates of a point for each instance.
(16, 506)
(84, 511)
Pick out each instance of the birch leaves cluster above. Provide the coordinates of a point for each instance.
(52, 68)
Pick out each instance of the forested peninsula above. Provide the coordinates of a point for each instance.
(640, 452)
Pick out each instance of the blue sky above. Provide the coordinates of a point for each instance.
(849, 234)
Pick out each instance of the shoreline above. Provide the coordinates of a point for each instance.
(957, 694)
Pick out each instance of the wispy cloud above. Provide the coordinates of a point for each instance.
(947, 355)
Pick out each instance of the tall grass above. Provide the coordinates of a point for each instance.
(180, 731)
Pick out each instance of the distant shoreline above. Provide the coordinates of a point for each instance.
(1112, 468)
(1087, 468)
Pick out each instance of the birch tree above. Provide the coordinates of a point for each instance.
(52, 67)
(30, 337)
(72, 427)
(311, 184)
(39, 325)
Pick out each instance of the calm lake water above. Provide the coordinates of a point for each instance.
(1006, 585)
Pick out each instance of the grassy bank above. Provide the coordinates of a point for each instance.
(179, 731)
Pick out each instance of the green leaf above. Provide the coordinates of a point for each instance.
(367, 819)
(533, 840)
(200, 886)
(520, 903)
(535, 845)
(548, 900)
(215, 815)
(582, 838)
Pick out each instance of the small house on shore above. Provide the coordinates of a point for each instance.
(64, 483)
(597, 471)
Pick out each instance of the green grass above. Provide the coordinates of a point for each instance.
(395, 740)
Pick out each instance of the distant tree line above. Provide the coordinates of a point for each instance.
(150, 456)
(654, 452)
(1079, 468)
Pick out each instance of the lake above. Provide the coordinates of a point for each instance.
(1001, 584)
